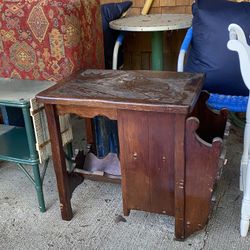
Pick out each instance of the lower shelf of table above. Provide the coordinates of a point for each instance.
(98, 177)
(14, 145)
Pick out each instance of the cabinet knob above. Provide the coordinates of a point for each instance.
(135, 155)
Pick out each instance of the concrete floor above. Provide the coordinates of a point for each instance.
(98, 221)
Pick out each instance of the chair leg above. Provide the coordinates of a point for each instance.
(244, 225)
(245, 154)
(244, 158)
(243, 167)
(245, 209)
(245, 178)
(39, 188)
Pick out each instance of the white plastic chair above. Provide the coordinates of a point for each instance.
(238, 43)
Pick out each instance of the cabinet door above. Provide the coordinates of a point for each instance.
(147, 160)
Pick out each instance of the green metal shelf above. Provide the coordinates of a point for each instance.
(14, 145)
(18, 144)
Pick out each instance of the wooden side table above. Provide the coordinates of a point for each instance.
(161, 147)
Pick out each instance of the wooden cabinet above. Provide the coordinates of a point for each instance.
(169, 157)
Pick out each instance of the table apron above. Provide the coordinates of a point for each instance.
(87, 112)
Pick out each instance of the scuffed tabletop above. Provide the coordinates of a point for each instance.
(135, 90)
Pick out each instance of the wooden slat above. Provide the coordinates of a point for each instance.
(147, 159)
(161, 162)
(179, 166)
(134, 145)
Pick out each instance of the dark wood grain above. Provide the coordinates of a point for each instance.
(59, 162)
(179, 169)
(168, 154)
(147, 160)
(161, 131)
(133, 141)
(202, 156)
(134, 90)
(87, 112)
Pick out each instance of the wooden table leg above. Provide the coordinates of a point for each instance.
(59, 162)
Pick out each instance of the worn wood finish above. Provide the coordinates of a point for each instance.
(147, 161)
(133, 90)
(179, 166)
(161, 151)
(161, 161)
(87, 112)
(59, 162)
(202, 156)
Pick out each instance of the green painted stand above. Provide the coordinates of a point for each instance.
(18, 144)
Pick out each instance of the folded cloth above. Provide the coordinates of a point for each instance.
(109, 164)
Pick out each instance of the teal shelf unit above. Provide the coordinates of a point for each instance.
(14, 145)
(18, 144)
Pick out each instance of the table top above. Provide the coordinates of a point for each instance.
(152, 22)
(159, 91)
(19, 92)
